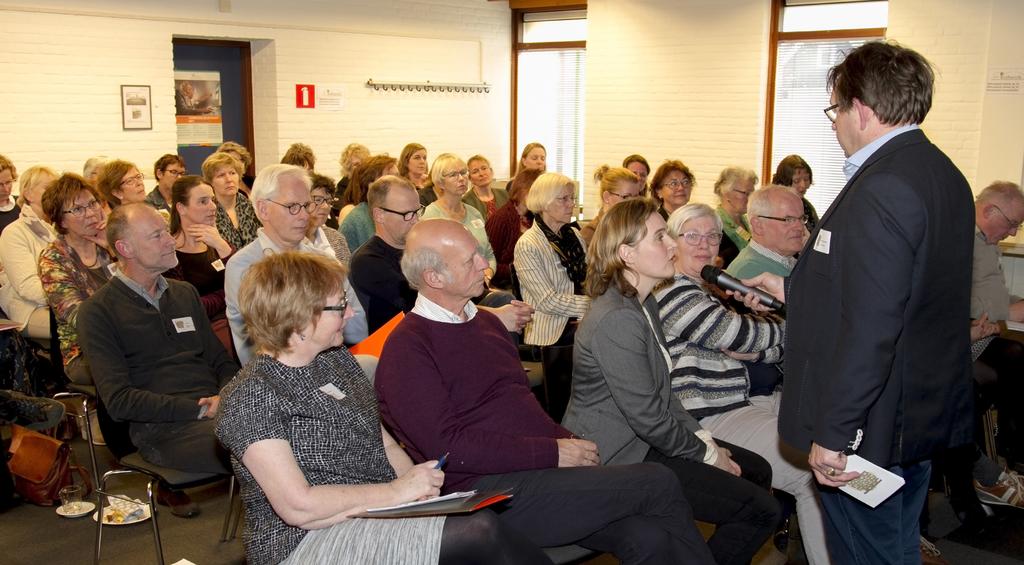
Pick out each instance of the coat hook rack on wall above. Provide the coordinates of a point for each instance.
(457, 87)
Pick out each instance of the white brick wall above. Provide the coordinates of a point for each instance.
(665, 78)
(676, 79)
(954, 37)
(64, 61)
(686, 79)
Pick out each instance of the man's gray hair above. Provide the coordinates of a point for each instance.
(417, 261)
(268, 182)
(1002, 191)
(764, 200)
(691, 212)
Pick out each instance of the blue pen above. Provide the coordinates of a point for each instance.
(441, 461)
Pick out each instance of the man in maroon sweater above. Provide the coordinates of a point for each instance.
(450, 381)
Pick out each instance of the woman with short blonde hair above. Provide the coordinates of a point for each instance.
(236, 219)
(451, 179)
(616, 184)
(309, 460)
(21, 294)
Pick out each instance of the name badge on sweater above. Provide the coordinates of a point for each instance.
(477, 223)
(334, 392)
(824, 241)
(217, 265)
(184, 324)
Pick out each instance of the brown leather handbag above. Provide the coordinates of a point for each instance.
(41, 466)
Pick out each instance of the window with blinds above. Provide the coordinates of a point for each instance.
(550, 67)
(800, 126)
(811, 37)
(549, 106)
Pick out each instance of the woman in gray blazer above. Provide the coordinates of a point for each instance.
(621, 392)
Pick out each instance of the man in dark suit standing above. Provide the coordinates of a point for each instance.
(878, 307)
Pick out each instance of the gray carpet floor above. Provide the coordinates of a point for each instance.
(33, 535)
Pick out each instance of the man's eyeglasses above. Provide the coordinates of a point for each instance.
(137, 179)
(832, 112)
(176, 173)
(80, 210)
(788, 220)
(296, 207)
(340, 307)
(1009, 223)
(676, 183)
(694, 238)
(407, 216)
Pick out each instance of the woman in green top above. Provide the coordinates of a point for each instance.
(734, 187)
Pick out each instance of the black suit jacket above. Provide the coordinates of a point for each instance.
(878, 327)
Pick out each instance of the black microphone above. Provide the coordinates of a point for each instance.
(715, 276)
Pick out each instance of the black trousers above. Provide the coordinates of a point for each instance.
(1006, 356)
(636, 512)
(742, 508)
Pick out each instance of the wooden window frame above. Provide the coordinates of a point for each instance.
(517, 46)
(775, 37)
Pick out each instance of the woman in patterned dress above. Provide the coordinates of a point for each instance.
(308, 448)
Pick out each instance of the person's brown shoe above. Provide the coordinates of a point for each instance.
(179, 502)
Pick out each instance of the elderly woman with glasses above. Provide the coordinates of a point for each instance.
(318, 233)
(202, 251)
(671, 186)
(21, 294)
(306, 442)
(451, 179)
(733, 188)
(621, 390)
(707, 342)
(75, 265)
(236, 219)
(616, 184)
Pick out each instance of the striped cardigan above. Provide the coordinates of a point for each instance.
(697, 327)
(545, 286)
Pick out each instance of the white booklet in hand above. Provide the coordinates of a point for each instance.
(874, 485)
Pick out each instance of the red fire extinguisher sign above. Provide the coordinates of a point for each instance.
(305, 96)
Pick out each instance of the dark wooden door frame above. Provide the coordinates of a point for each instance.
(246, 67)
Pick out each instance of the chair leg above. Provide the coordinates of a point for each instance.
(230, 513)
(86, 414)
(150, 488)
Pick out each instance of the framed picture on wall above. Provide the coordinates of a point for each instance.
(136, 107)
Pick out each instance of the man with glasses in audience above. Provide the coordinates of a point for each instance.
(155, 360)
(376, 270)
(998, 213)
(777, 229)
(281, 199)
(376, 266)
(167, 169)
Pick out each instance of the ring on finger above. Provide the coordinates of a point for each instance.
(830, 471)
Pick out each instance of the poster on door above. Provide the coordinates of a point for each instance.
(197, 102)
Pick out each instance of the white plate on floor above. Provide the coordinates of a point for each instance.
(83, 509)
(125, 508)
